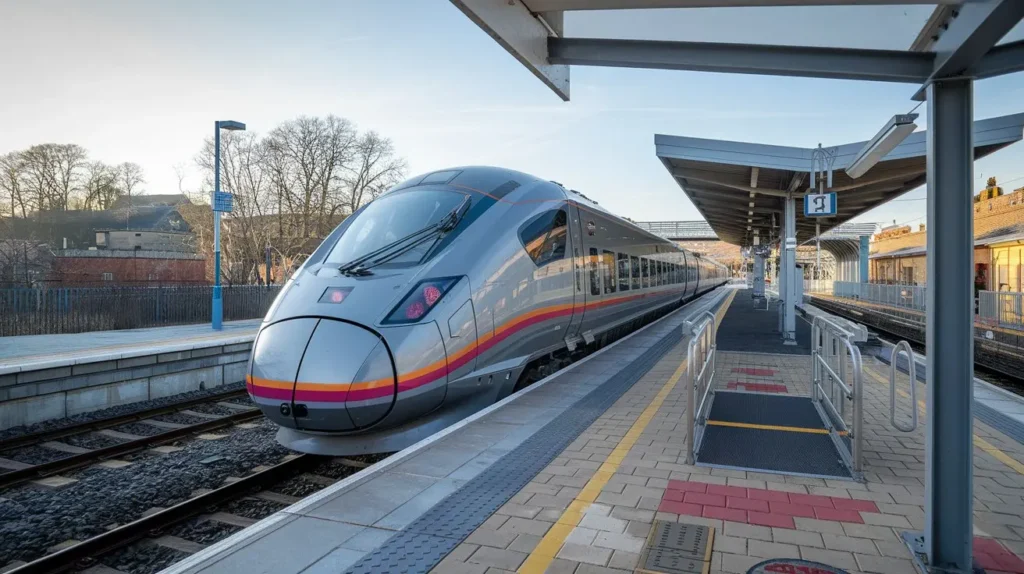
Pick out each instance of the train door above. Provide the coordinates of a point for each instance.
(579, 267)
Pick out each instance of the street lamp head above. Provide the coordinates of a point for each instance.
(231, 125)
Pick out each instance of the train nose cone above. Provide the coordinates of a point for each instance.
(322, 375)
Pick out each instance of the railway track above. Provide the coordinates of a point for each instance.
(79, 456)
(152, 528)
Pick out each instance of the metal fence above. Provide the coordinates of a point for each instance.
(1001, 308)
(900, 296)
(818, 286)
(32, 311)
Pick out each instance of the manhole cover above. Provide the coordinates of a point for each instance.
(793, 566)
(677, 548)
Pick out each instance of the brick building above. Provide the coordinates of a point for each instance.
(91, 268)
(897, 253)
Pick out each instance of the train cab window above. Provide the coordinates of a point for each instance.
(634, 265)
(623, 272)
(545, 236)
(610, 272)
(595, 281)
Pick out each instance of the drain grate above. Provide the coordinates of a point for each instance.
(678, 548)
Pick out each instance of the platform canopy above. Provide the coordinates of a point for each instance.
(738, 185)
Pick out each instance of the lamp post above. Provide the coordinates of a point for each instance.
(219, 205)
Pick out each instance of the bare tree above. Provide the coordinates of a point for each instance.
(375, 169)
(100, 186)
(53, 173)
(13, 185)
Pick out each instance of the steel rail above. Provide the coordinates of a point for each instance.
(73, 556)
(78, 460)
(99, 424)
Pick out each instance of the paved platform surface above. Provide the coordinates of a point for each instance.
(590, 508)
(747, 317)
(46, 351)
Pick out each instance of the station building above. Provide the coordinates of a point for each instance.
(897, 253)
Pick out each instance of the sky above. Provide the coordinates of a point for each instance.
(143, 81)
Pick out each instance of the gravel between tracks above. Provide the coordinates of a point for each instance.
(122, 410)
(143, 559)
(32, 520)
(253, 508)
(91, 441)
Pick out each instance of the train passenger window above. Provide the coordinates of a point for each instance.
(545, 236)
(623, 272)
(634, 265)
(610, 275)
(595, 283)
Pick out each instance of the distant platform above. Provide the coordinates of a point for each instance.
(32, 352)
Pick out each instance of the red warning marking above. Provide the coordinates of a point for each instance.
(776, 508)
(990, 554)
(758, 387)
(754, 372)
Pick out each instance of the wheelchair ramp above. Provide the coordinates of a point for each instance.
(769, 433)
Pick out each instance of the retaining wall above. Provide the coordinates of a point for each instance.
(37, 391)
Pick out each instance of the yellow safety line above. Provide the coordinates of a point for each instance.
(770, 427)
(978, 441)
(548, 548)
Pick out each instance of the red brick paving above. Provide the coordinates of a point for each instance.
(766, 507)
(754, 372)
(993, 556)
(758, 387)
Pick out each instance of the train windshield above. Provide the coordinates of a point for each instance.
(391, 218)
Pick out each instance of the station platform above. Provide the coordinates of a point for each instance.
(586, 472)
(48, 351)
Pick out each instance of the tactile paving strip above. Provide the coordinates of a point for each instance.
(437, 532)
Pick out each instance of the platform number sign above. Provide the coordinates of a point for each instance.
(819, 204)
(223, 201)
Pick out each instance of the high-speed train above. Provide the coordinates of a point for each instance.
(439, 297)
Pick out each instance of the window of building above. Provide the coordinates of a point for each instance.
(623, 272)
(595, 281)
(634, 265)
(545, 237)
(645, 273)
(610, 272)
(108, 276)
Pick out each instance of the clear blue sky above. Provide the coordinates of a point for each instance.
(143, 81)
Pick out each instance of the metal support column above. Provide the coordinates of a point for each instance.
(949, 325)
(758, 276)
(865, 246)
(789, 271)
(217, 310)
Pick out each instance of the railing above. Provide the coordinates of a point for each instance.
(900, 296)
(76, 310)
(1001, 308)
(903, 347)
(700, 370)
(818, 286)
(835, 361)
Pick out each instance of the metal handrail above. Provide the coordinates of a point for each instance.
(903, 347)
(826, 352)
(701, 349)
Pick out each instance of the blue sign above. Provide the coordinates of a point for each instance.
(819, 204)
(223, 201)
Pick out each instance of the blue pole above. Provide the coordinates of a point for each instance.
(864, 247)
(218, 304)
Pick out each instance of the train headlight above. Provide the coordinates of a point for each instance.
(335, 294)
(423, 297)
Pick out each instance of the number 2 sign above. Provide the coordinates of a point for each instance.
(819, 204)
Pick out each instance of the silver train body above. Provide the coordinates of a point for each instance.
(377, 357)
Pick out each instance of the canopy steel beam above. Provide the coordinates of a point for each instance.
(970, 35)
(838, 63)
(710, 177)
(545, 5)
(1000, 60)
